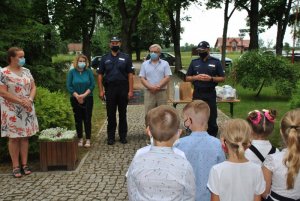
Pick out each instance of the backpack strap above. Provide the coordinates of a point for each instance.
(257, 153)
(272, 151)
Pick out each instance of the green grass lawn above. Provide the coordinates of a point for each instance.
(267, 100)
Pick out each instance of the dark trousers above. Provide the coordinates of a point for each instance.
(83, 113)
(116, 97)
(210, 98)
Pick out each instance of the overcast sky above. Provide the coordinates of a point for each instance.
(208, 25)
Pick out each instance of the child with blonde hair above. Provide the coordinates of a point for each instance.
(201, 149)
(262, 124)
(161, 174)
(281, 170)
(237, 178)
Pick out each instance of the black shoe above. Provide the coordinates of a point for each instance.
(123, 141)
(110, 142)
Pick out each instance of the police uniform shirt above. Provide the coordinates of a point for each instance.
(212, 67)
(115, 68)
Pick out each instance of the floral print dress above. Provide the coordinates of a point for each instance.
(17, 121)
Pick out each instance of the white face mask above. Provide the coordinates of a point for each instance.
(81, 65)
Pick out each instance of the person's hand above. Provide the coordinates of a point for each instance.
(80, 99)
(102, 95)
(203, 77)
(154, 88)
(26, 103)
(130, 94)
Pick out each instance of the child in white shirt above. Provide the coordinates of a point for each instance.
(262, 124)
(237, 178)
(160, 173)
(281, 170)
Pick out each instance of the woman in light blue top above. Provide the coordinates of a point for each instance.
(80, 84)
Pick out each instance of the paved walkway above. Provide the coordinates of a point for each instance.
(99, 176)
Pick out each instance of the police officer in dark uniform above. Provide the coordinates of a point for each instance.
(115, 81)
(205, 73)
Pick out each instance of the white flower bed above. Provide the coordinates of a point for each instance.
(57, 134)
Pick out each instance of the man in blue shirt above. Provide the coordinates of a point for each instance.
(155, 75)
(202, 150)
(115, 80)
(205, 73)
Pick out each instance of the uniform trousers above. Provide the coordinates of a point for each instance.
(83, 113)
(209, 96)
(116, 98)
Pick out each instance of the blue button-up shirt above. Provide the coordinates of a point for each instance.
(160, 174)
(202, 151)
(154, 73)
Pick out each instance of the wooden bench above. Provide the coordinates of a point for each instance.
(186, 96)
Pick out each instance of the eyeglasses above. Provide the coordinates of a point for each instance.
(154, 52)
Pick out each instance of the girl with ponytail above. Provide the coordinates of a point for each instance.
(237, 178)
(281, 170)
(262, 124)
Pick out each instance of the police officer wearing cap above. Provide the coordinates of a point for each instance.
(205, 73)
(115, 80)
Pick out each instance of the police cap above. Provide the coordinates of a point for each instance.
(203, 45)
(115, 39)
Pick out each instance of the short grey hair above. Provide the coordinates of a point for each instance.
(157, 46)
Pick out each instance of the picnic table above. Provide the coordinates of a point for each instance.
(186, 94)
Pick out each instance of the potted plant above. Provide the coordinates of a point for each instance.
(58, 147)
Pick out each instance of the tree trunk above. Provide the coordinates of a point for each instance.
(175, 29)
(254, 17)
(279, 39)
(225, 28)
(260, 88)
(86, 43)
(129, 22)
(281, 26)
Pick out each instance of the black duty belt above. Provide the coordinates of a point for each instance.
(281, 198)
(206, 89)
(117, 83)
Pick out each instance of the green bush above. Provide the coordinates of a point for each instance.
(53, 110)
(255, 70)
(295, 100)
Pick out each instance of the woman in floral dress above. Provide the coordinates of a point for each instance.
(18, 118)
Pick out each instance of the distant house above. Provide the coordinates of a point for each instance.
(233, 44)
(75, 48)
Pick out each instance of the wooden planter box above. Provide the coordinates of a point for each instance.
(58, 154)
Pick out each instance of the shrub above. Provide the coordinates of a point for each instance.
(295, 100)
(53, 110)
(255, 70)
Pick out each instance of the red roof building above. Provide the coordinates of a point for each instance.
(75, 48)
(233, 44)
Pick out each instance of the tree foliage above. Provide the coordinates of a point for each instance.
(255, 70)
(24, 24)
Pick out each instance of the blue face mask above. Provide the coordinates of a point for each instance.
(153, 56)
(21, 61)
(81, 65)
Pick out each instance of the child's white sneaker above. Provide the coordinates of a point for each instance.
(87, 144)
(80, 142)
